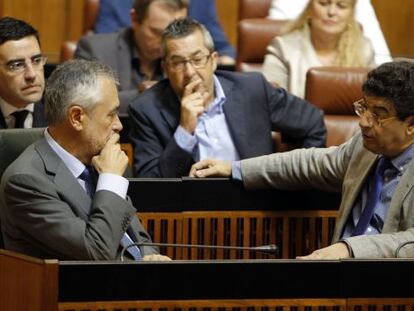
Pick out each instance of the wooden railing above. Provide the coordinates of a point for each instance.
(294, 232)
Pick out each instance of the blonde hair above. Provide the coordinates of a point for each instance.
(349, 45)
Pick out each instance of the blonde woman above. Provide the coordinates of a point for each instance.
(325, 34)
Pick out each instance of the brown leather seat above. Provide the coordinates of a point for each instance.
(334, 90)
(90, 14)
(254, 35)
(254, 8)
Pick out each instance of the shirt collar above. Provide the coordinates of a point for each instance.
(400, 162)
(7, 109)
(75, 166)
(219, 98)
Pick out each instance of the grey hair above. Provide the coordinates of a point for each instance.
(184, 27)
(74, 82)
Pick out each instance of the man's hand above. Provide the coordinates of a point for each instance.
(111, 159)
(335, 251)
(193, 103)
(211, 167)
(156, 257)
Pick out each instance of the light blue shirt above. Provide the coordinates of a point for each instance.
(211, 137)
(392, 176)
(106, 181)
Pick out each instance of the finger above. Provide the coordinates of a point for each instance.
(191, 87)
(203, 164)
(114, 139)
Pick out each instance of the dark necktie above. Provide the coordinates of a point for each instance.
(20, 117)
(89, 177)
(373, 197)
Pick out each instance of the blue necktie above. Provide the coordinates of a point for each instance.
(89, 177)
(373, 197)
(133, 250)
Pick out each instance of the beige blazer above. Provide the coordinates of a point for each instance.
(342, 168)
(290, 56)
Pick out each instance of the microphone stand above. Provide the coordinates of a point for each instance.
(271, 249)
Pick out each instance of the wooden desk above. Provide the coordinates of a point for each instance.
(222, 212)
(289, 285)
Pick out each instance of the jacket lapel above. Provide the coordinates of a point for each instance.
(2, 121)
(124, 60)
(170, 108)
(235, 116)
(404, 187)
(355, 179)
(66, 184)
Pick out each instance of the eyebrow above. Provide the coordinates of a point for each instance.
(22, 59)
(192, 54)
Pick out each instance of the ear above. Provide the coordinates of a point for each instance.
(214, 59)
(410, 125)
(76, 117)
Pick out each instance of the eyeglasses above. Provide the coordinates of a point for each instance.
(197, 62)
(19, 66)
(361, 110)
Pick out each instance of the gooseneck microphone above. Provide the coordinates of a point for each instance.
(397, 251)
(271, 249)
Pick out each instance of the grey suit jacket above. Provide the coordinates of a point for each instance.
(344, 168)
(46, 213)
(116, 51)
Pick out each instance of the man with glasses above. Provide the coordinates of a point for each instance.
(21, 75)
(134, 52)
(374, 171)
(199, 112)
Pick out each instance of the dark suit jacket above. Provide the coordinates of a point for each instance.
(116, 51)
(39, 119)
(253, 109)
(45, 212)
(115, 14)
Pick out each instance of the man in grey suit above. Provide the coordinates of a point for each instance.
(134, 52)
(64, 197)
(21, 75)
(376, 215)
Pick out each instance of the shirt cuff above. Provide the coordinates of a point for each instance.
(114, 183)
(348, 245)
(185, 140)
(236, 170)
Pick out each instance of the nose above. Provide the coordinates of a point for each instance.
(29, 72)
(332, 9)
(364, 121)
(117, 126)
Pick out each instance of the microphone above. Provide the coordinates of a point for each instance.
(397, 251)
(271, 249)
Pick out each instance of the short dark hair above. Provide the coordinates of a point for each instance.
(393, 81)
(141, 6)
(15, 29)
(183, 27)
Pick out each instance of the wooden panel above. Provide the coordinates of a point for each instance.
(396, 18)
(295, 232)
(227, 11)
(222, 305)
(35, 282)
(56, 21)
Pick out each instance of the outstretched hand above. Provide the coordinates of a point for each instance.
(211, 167)
(334, 251)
